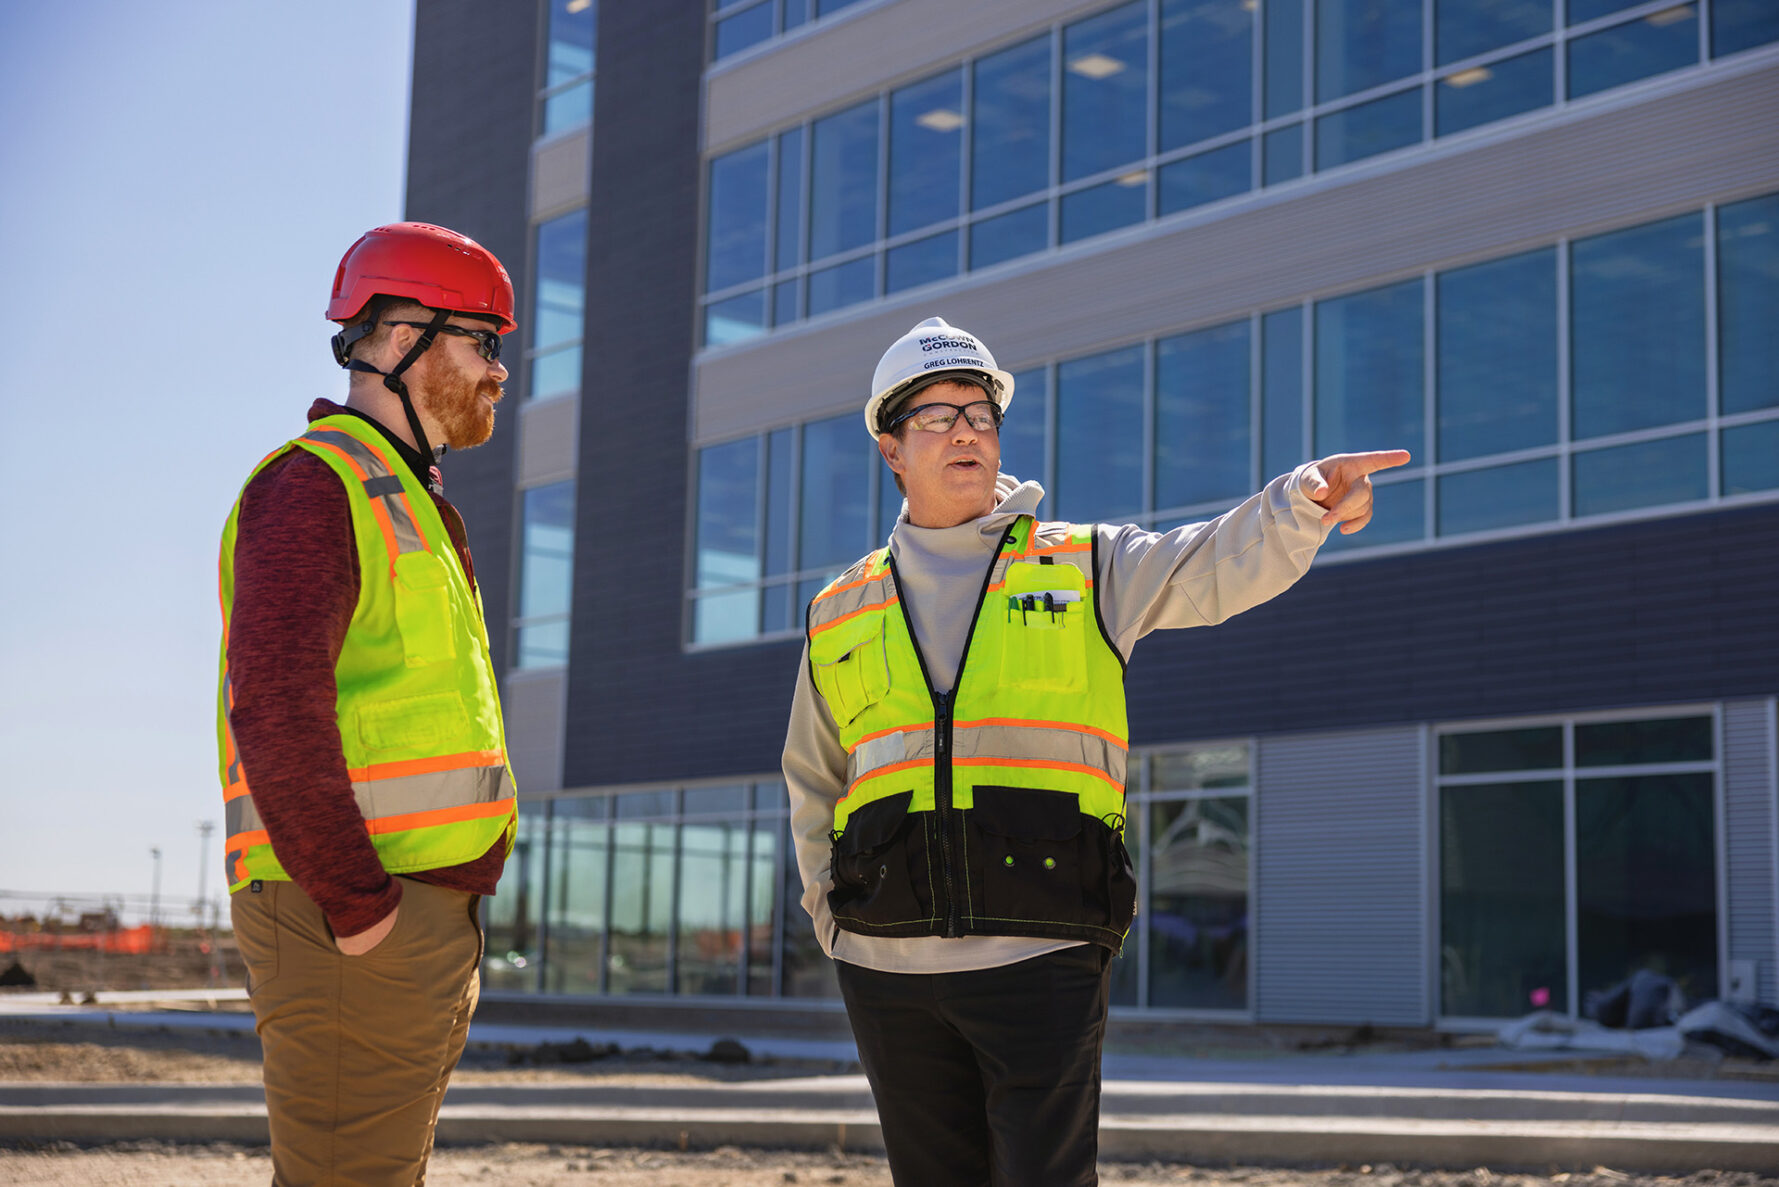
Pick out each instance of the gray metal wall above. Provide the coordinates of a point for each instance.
(1748, 839)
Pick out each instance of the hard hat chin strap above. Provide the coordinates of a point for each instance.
(393, 379)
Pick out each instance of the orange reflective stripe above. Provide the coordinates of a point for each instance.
(242, 841)
(1039, 763)
(1052, 548)
(898, 729)
(401, 493)
(382, 513)
(1042, 725)
(235, 791)
(879, 772)
(428, 766)
(861, 610)
(437, 816)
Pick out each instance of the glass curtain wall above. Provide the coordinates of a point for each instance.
(566, 100)
(558, 308)
(743, 24)
(1154, 113)
(546, 576)
(1617, 817)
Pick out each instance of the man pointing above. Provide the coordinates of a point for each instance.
(956, 764)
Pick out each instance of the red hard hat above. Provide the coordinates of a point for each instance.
(422, 263)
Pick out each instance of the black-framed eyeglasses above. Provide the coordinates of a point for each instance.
(983, 415)
(487, 341)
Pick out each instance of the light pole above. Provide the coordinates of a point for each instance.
(205, 828)
(154, 903)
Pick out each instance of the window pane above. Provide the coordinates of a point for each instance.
(825, 7)
(1198, 903)
(642, 906)
(836, 493)
(784, 302)
(572, 108)
(1536, 748)
(726, 617)
(775, 610)
(1465, 28)
(737, 236)
(1202, 434)
(557, 373)
(511, 917)
(1207, 69)
(1496, 334)
(762, 939)
(1748, 304)
(1208, 177)
(1483, 94)
(796, 12)
(546, 572)
(789, 235)
(890, 502)
(921, 262)
(737, 32)
(843, 190)
(1742, 24)
(1010, 149)
(1105, 86)
(1022, 433)
(1501, 902)
(1587, 10)
(574, 25)
(1362, 44)
(1282, 152)
(727, 801)
(926, 150)
(1620, 743)
(1646, 881)
(736, 319)
(578, 857)
(1662, 41)
(1008, 236)
(543, 645)
(559, 300)
(1105, 207)
(728, 488)
(1368, 129)
(1501, 497)
(712, 886)
(1647, 474)
(781, 502)
(1284, 55)
(1398, 515)
(1638, 305)
(842, 285)
(1099, 435)
(1750, 459)
(807, 970)
(1369, 375)
(1281, 392)
(1200, 768)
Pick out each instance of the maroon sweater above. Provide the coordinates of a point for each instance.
(296, 585)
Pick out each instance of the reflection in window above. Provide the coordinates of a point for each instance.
(641, 905)
(1282, 154)
(1646, 474)
(835, 494)
(1105, 86)
(1024, 430)
(1498, 497)
(511, 917)
(1662, 41)
(921, 262)
(736, 236)
(558, 306)
(1010, 128)
(736, 319)
(843, 181)
(788, 233)
(760, 909)
(926, 147)
(579, 843)
(546, 575)
(1281, 393)
(1202, 447)
(1464, 28)
(1198, 903)
(1485, 753)
(1496, 345)
(1361, 44)
(1748, 304)
(1009, 236)
(713, 872)
(1750, 458)
(1099, 434)
(1380, 126)
(1208, 177)
(842, 285)
(807, 970)
(727, 551)
(569, 59)
(1622, 743)
(1207, 69)
(1283, 46)
(1483, 94)
(1638, 327)
(1398, 515)
(1105, 207)
(1369, 370)
(1737, 25)
(743, 29)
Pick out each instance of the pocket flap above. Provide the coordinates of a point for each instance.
(834, 641)
(1027, 813)
(875, 825)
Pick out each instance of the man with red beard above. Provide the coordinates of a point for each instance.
(363, 761)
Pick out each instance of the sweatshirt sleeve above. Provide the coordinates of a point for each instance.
(296, 588)
(1203, 573)
(815, 777)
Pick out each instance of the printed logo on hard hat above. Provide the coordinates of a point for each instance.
(936, 364)
(950, 344)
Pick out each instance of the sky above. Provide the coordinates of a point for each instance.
(178, 181)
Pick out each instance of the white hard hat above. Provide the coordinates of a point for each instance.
(926, 354)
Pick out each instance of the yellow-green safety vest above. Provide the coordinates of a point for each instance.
(998, 808)
(418, 710)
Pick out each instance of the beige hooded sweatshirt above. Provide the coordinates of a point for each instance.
(1196, 575)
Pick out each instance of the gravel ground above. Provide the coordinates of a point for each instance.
(148, 1164)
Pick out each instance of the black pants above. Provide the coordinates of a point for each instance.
(990, 1076)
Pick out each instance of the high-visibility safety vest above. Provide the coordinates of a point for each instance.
(419, 714)
(996, 808)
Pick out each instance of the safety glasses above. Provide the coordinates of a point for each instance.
(983, 415)
(487, 341)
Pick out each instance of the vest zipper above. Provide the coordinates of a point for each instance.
(954, 924)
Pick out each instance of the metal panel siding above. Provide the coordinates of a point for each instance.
(482, 194)
(1748, 810)
(547, 441)
(535, 706)
(845, 57)
(1340, 922)
(1575, 173)
(559, 173)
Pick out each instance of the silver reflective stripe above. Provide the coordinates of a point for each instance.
(836, 606)
(1042, 744)
(228, 703)
(378, 798)
(379, 483)
(239, 816)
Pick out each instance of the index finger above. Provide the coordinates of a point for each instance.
(1380, 459)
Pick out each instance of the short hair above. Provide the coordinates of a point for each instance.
(375, 311)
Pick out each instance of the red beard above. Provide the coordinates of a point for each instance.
(463, 408)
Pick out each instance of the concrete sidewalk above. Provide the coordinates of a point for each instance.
(1433, 1108)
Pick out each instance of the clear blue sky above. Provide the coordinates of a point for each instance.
(178, 180)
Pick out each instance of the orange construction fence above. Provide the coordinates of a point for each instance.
(122, 939)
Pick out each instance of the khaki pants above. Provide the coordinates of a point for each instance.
(358, 1049)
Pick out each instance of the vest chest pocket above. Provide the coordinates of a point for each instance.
(851, 666)
(423, 609)
(1044, 616)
